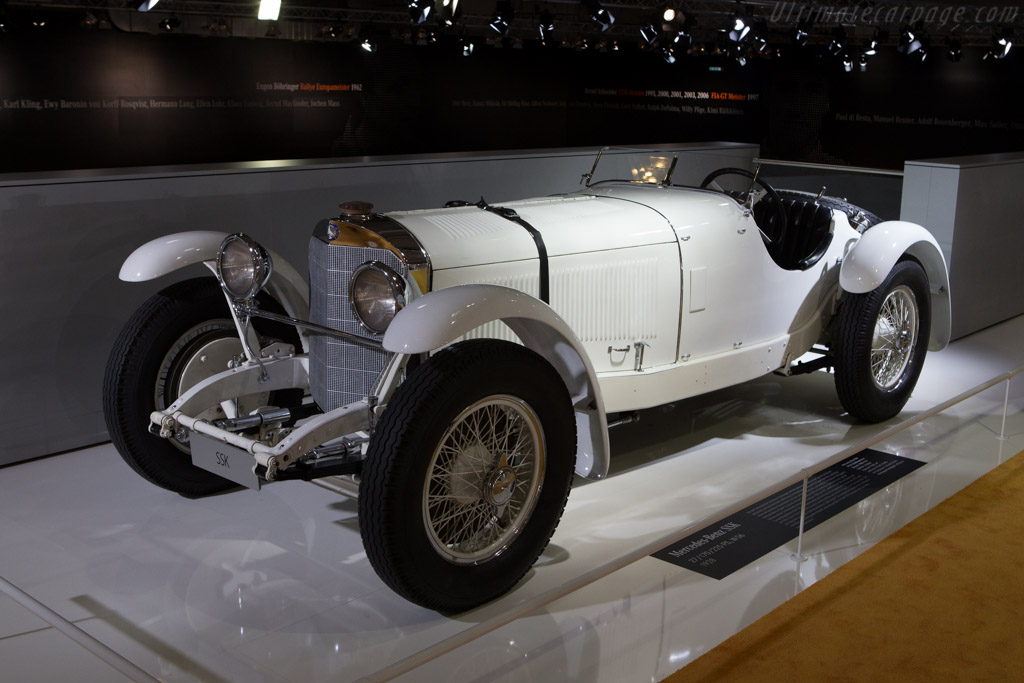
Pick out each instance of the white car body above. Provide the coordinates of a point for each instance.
(632, 295)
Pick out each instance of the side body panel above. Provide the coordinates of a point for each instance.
(611, 300)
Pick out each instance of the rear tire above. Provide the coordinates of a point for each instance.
(882, 342)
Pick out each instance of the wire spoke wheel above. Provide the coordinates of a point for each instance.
(484, 479)
(880, 343)
(467, 474)
(895, 335)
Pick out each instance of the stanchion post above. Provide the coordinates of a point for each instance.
(799, 557)
(1006, 405)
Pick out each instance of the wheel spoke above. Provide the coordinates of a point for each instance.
(895, 336)
(482, 483)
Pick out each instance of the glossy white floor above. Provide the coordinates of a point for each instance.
(274, 585)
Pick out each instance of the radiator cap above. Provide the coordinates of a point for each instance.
(355, 209)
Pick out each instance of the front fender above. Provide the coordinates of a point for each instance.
(172, 252)
(439, 318)
(879, 249)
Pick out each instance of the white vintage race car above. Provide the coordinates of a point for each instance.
(462, 363)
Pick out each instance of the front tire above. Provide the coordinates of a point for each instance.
(882, 342)
(467, 475)
(178, 337)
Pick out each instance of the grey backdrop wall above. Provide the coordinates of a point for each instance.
(973, 206)
(66, 235)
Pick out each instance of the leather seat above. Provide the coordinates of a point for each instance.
(808, 231)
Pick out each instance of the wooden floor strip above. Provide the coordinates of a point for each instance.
(940, 600)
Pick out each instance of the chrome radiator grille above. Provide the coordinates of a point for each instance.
(340, 373)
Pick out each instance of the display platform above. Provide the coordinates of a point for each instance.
(274, 586)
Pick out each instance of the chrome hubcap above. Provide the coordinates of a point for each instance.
(483, 480)
(894, 338)
(500, 486)
(200, 353)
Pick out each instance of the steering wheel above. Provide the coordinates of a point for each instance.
(772, 223)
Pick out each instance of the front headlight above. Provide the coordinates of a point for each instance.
(377, 294)
(243, 267)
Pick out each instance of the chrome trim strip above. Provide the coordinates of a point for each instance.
(316, 329)
(390, 230)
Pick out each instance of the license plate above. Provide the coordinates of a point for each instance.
(225, 460)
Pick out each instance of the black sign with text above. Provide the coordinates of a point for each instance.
(733, 543)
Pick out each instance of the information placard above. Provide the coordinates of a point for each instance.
(738, 540)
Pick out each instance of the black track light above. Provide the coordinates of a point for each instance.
(602, 17)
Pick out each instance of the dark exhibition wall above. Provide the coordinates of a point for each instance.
(73, 99)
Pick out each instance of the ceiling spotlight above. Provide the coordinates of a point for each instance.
(1002, 43)
(649, 34)
(147, 5)
(420, 10)
(682, 41)
(835, 48)
(170, 23)
(602, 17)
(668, 56)
(954, 50)
(802, 33)
(862, 63)
(911, 42)
(448, 11)
(913, 45)
(368, 45)
(871, 46)
(467, 47)
(269, 10)
(545, 26)
(272, 31)
(672, 20)
(740, 26)
(504, 13)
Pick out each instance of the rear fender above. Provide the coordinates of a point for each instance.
(873, 256)
(439, 318)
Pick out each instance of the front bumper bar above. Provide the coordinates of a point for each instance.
(283, 373)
